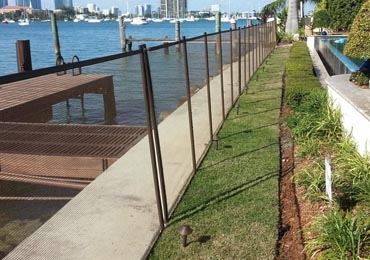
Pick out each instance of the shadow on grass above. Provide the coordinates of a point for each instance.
(245, 114)
(222, 197)
(262, 100)
(264, 90)
(247, 131)
(237, 156)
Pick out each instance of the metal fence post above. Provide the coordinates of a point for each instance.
(157, 144)
(144, 69)
(220, 63)
(190, 113)
(245, 56)
(231, 67)
(249, 54)
(240, 61)
(208, 87)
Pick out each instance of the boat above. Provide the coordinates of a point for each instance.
(76, 20)
(5, 21)
(94, 19)
(191, 19)
(139, 21)
(24, 21)
(157, 20)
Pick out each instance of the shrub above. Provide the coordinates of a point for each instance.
(358, 45)
(360, 78)
(341, 235)
(321, 19)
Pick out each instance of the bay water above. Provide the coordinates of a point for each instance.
(92, 40)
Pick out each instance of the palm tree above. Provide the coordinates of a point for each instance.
(292, 20)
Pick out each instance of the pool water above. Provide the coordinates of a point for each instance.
(331, 52)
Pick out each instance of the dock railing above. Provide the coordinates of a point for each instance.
(151, 83)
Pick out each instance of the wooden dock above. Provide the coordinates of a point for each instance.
(31, 100)
(61, 155)
(32, 151)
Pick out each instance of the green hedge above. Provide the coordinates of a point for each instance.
(299, 75)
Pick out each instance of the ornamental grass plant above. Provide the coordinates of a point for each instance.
(342, 228)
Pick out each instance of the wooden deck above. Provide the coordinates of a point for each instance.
(31, 100)
(61, 155)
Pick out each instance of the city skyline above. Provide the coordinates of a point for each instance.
(3, 3)
(193, 5)
(235, 5)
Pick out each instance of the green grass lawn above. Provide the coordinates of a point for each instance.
(232, 202)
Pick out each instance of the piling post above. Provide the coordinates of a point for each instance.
(177, 34)
(24, 60)
(54, 29)
(122, 33)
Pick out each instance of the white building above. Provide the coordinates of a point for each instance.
(139, 10)
(215, 8)
(91, 7)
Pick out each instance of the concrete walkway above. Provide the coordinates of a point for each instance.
(116, 217)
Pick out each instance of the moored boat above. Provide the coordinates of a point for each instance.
(139, 21)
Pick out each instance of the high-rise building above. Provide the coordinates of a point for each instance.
(147, 9)
(114, 11)
(68, 3)
(59, 4)
(139, 10)
(22, 2)
(174, 8)
(3, 3)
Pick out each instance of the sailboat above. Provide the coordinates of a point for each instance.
(24, 21)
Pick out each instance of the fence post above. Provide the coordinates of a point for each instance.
(190, 113)
(144, 70)
(24, 59)
(231, 65)
(240, 62)
(220, 65)
(245, 56)
(208, 87)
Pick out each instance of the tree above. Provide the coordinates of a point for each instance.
(321, 19)
(343, 12)
(292, 20)
(358, 45)
(272, 9)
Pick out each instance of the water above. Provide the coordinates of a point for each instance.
(91, 40)
(86, 40)
(336, 47)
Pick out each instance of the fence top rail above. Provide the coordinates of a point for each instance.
(68, 66)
